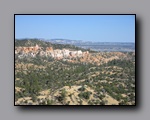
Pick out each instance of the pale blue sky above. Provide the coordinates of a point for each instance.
(98, 28)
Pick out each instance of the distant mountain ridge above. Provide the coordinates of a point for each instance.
(96, 46)
(82, 42)
(77, 42)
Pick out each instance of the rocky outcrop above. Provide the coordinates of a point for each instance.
(73, 56)
(49, 52)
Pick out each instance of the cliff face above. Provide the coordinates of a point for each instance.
(49, 52)
(74, 56)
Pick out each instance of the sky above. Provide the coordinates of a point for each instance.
(96, 28)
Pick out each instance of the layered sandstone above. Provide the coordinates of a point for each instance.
(73, 56)
(49, 52)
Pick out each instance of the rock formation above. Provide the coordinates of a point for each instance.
(49, 52)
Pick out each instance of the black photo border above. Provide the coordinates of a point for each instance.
(93, 106)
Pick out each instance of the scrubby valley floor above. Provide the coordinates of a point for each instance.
(74, 77)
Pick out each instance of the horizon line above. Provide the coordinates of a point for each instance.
(71, 39)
